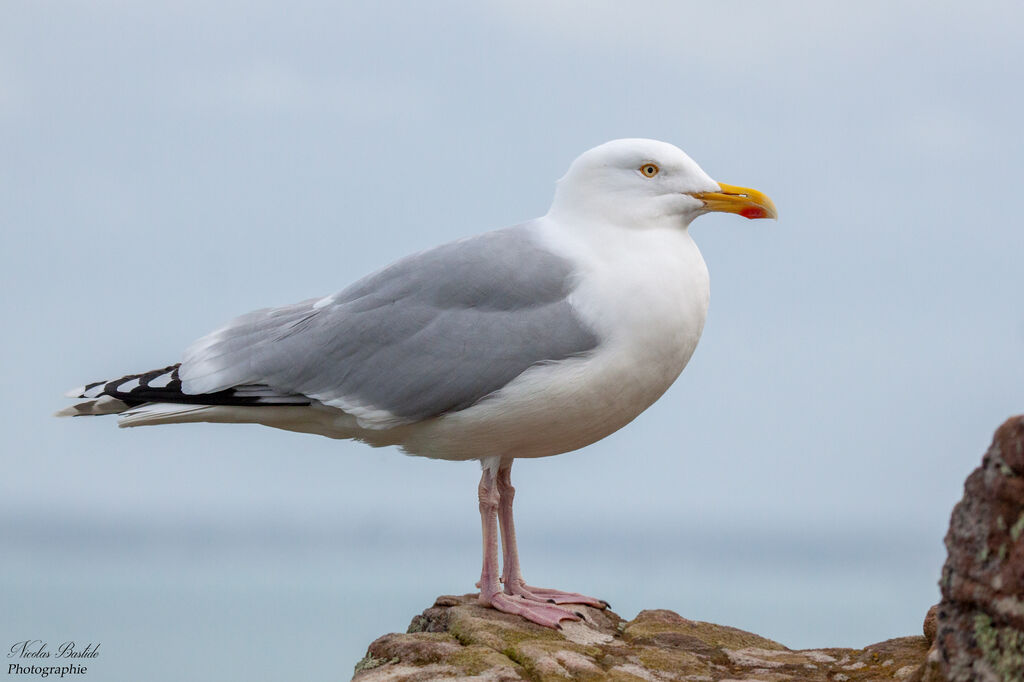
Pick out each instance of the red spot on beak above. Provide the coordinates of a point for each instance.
(753, 212)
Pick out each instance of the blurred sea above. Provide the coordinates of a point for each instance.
(269, 601)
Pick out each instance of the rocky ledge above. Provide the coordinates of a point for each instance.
(975, 633)
(457, 638)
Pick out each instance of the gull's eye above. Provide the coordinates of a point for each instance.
(649, 169)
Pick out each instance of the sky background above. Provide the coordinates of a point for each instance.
(167, 166)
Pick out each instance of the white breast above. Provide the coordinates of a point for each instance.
(645, 294)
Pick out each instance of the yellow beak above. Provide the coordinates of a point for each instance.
(748, 203)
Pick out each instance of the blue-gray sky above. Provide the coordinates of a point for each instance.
(166, 166)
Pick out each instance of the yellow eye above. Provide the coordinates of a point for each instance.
(649, 169)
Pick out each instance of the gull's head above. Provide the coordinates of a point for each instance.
(647, 183)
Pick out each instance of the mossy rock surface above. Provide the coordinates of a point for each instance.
(456, 638)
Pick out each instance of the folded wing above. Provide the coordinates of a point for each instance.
(433, 333)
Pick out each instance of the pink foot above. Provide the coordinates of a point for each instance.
(541, 614)
(542, 594)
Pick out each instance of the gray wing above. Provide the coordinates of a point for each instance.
(430, 334)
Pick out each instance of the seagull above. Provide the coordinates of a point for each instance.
(527, 341)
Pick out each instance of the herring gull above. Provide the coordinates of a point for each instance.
(527, 341)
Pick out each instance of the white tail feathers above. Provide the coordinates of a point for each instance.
(324, 421)
(162, 413)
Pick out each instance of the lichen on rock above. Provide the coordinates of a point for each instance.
(458, 638)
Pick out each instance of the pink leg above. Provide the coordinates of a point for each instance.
(490, 588)
(512, 575)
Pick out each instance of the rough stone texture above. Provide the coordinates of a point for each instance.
(981, 616)
(457, 638)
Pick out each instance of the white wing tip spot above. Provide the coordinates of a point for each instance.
(128, 386)
(162, 381)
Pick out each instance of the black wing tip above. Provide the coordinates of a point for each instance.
(138, 389)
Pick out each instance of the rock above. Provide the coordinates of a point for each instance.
(458, 638)
(931, 626)
(981, 616)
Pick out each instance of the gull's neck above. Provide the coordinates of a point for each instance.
(570, 210)
(596, 227)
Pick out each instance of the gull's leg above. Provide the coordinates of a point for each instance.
(487, 494)
(512, 575)
(510, 571)
(490, 588)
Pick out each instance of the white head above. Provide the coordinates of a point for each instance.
(646, 183)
